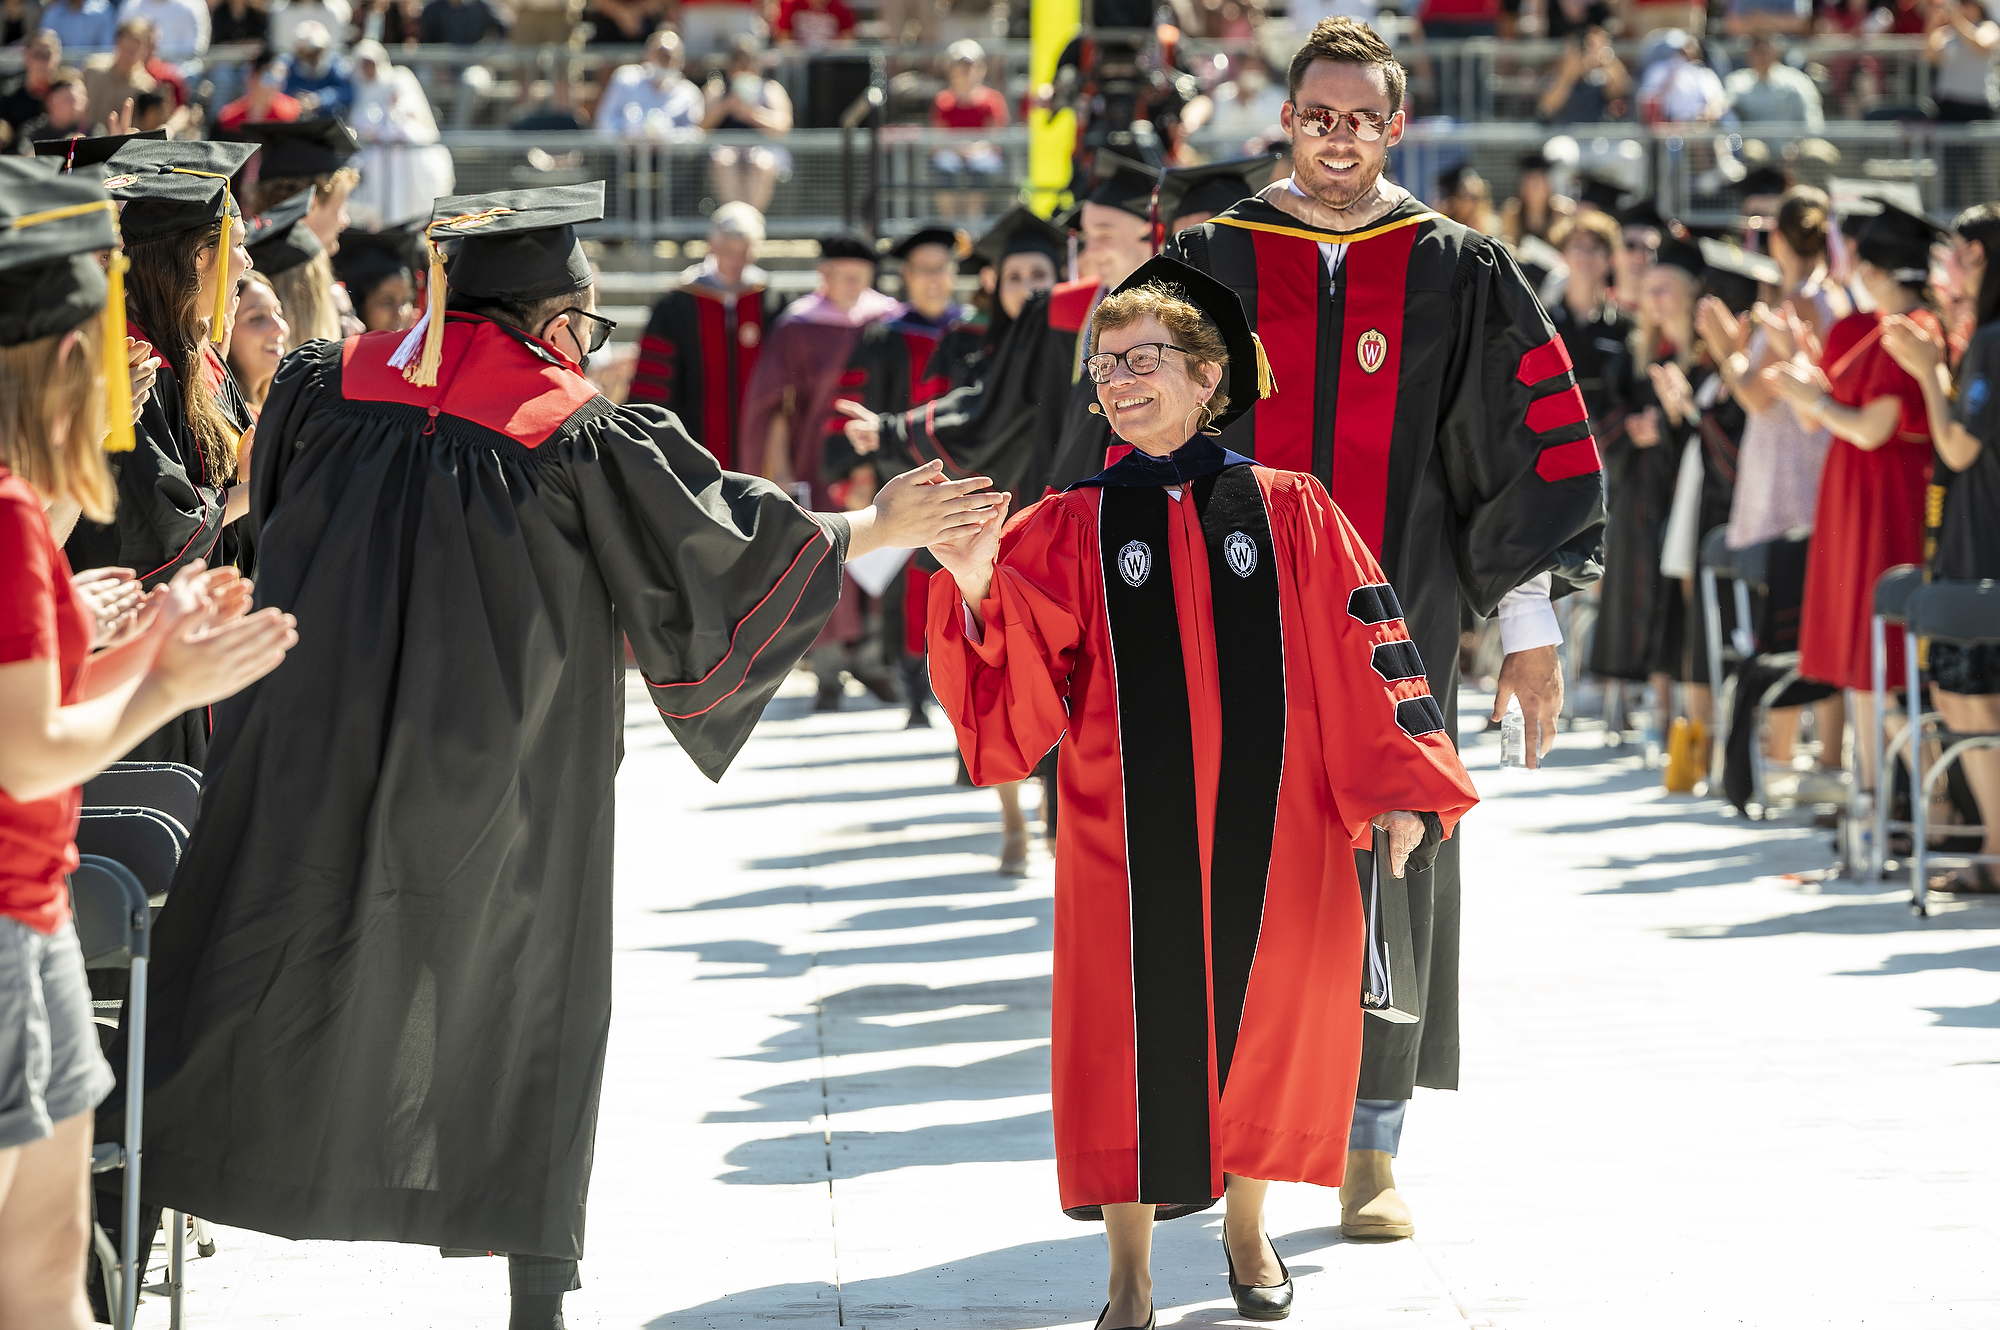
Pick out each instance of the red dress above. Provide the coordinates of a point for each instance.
(1237, 696)
(1870, 515)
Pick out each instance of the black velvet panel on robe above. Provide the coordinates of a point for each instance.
(382, 983)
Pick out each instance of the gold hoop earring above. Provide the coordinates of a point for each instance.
(1187, 430)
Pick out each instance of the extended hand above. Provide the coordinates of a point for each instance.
(920, 507)
(1406, 833)
(969, 557)
(864, 428)
(1534, 677)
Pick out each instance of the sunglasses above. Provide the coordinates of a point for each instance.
(601, 328)
(1318, 122)
(1141, 359)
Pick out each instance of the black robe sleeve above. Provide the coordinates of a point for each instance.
(669, 368)
(721, 582)
(1515, 439)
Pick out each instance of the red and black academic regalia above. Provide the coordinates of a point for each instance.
(1226, 738)
(1870, 515)
(698, 353)
(169, 514)
(807, 362)
(1422, 383)
(381, 987)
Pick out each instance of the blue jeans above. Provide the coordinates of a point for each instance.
(1378, 1125)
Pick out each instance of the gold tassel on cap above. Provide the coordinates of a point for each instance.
(219, 317)
(117, 369)
(1266, 382)
(424, 372)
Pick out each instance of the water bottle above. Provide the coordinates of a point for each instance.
(1513, 736)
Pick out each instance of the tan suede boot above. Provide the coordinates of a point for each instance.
(1370, 1205)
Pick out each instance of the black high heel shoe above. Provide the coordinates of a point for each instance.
(1260, 1302)
(1152, 1319)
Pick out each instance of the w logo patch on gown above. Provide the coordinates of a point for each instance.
(1240, 553)
(1371, 349)
(1135, 562)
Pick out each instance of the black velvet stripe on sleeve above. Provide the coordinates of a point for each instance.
(1375, 603)
(1419, 715)
(1398, 660)
(1250, 664)
(1163, 852)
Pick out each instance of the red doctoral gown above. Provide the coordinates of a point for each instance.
(1223, 754)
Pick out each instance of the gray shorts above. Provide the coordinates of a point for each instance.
(50, 1066)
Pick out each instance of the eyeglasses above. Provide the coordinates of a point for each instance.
(601, 328)
(1318, 122)
(1141, 359)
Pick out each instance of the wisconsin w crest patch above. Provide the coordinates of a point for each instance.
(1135, 562)
(1240, 552)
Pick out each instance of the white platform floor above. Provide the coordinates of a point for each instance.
(1697, 1091)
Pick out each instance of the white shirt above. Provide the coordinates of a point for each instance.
(333, 15)
(638, 103)
(182, 25)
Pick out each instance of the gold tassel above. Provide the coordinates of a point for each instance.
(1266, 382)
(117, 369)
(219, 317)
(424, 371)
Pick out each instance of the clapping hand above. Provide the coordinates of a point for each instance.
(1725, 334)
(116, 601)
(1912, 347)
(209, 646)
(1643, 427)
(1675, 393)
(1800, 385)
(144, 368)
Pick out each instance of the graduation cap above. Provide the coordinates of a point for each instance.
(170, 187)
(51, 229)
(1734, 273)
(1763, 180)
(929, 235)
(1123, 183)
(1601, 194)
(89, 152)
(366, 259)
(1247, 377)
(1677, 251)
(1213, 187)
(1900, 240)
(1537, 160)
(1643, 212)
(514, 245)
(276, 240)
(1021, 232)
(302, 148)
(846, 246)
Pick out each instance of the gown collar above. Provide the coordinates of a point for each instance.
(1198, 457)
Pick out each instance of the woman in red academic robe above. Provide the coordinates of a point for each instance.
(1238, 700)
(1870, 515)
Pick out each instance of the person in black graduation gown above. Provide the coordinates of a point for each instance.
(180, 494)
(381, 987)
(378, 270)
(1419, 378)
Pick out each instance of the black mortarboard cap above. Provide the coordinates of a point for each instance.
(302, 148)
(1900, 240)
(276, 238)
(50, 280)
(1021, 232)
(1212, 187)
(1123, 183)
(169, 187)
(72, 153)
(1535, 161)
(1248, 376)
(1678, 252)
(1601, 194)
(846, 246)
(1643, 212)
(1734, 274)
(929, 235)
(366, 258)
(518, 244)
(1763, 180)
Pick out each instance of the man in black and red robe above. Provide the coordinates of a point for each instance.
(701, 345)
(1419, 378)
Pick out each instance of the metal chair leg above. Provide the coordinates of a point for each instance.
(127, 1311)
(1919, 799)
(176, 1265)
(1879, 659)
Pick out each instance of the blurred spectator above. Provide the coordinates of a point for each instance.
(322, 82)
(179, 26)
(1466, 198)
(967, 103)
(545, 22)
(621, 22)
(1678, 88)
(812, 23)
(265, 100)
(151, 111)
(403, 166)
(122, 74)
(19, 20)
(1769, 90)
(1751, 17)
(333, 16)
(166, 75)
(709, 27)
(748, 100)
(82, 25)
(1590, 83)
(1536, 209)
(23, 102)
(652, 100)
(390, 22)
(1644, 16)
(1961, 45)
(1248, 103)
(1573, 18)
(234, 22)
(1301, 16)
(1453, 20)
(460, 23)
(65, 112)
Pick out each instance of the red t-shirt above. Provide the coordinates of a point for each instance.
(237, 114)
(41, 618)
(1857, 375)
(811, 27)
(983, 109)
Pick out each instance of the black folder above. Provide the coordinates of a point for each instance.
(1389, 961)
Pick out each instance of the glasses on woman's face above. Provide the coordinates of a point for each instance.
(601, 328)
(1318, 122)
(1141, 359)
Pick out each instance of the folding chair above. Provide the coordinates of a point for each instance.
(1964, 613)
(164, 787)
(1892, 593)
(114, 924)
(147, 842)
